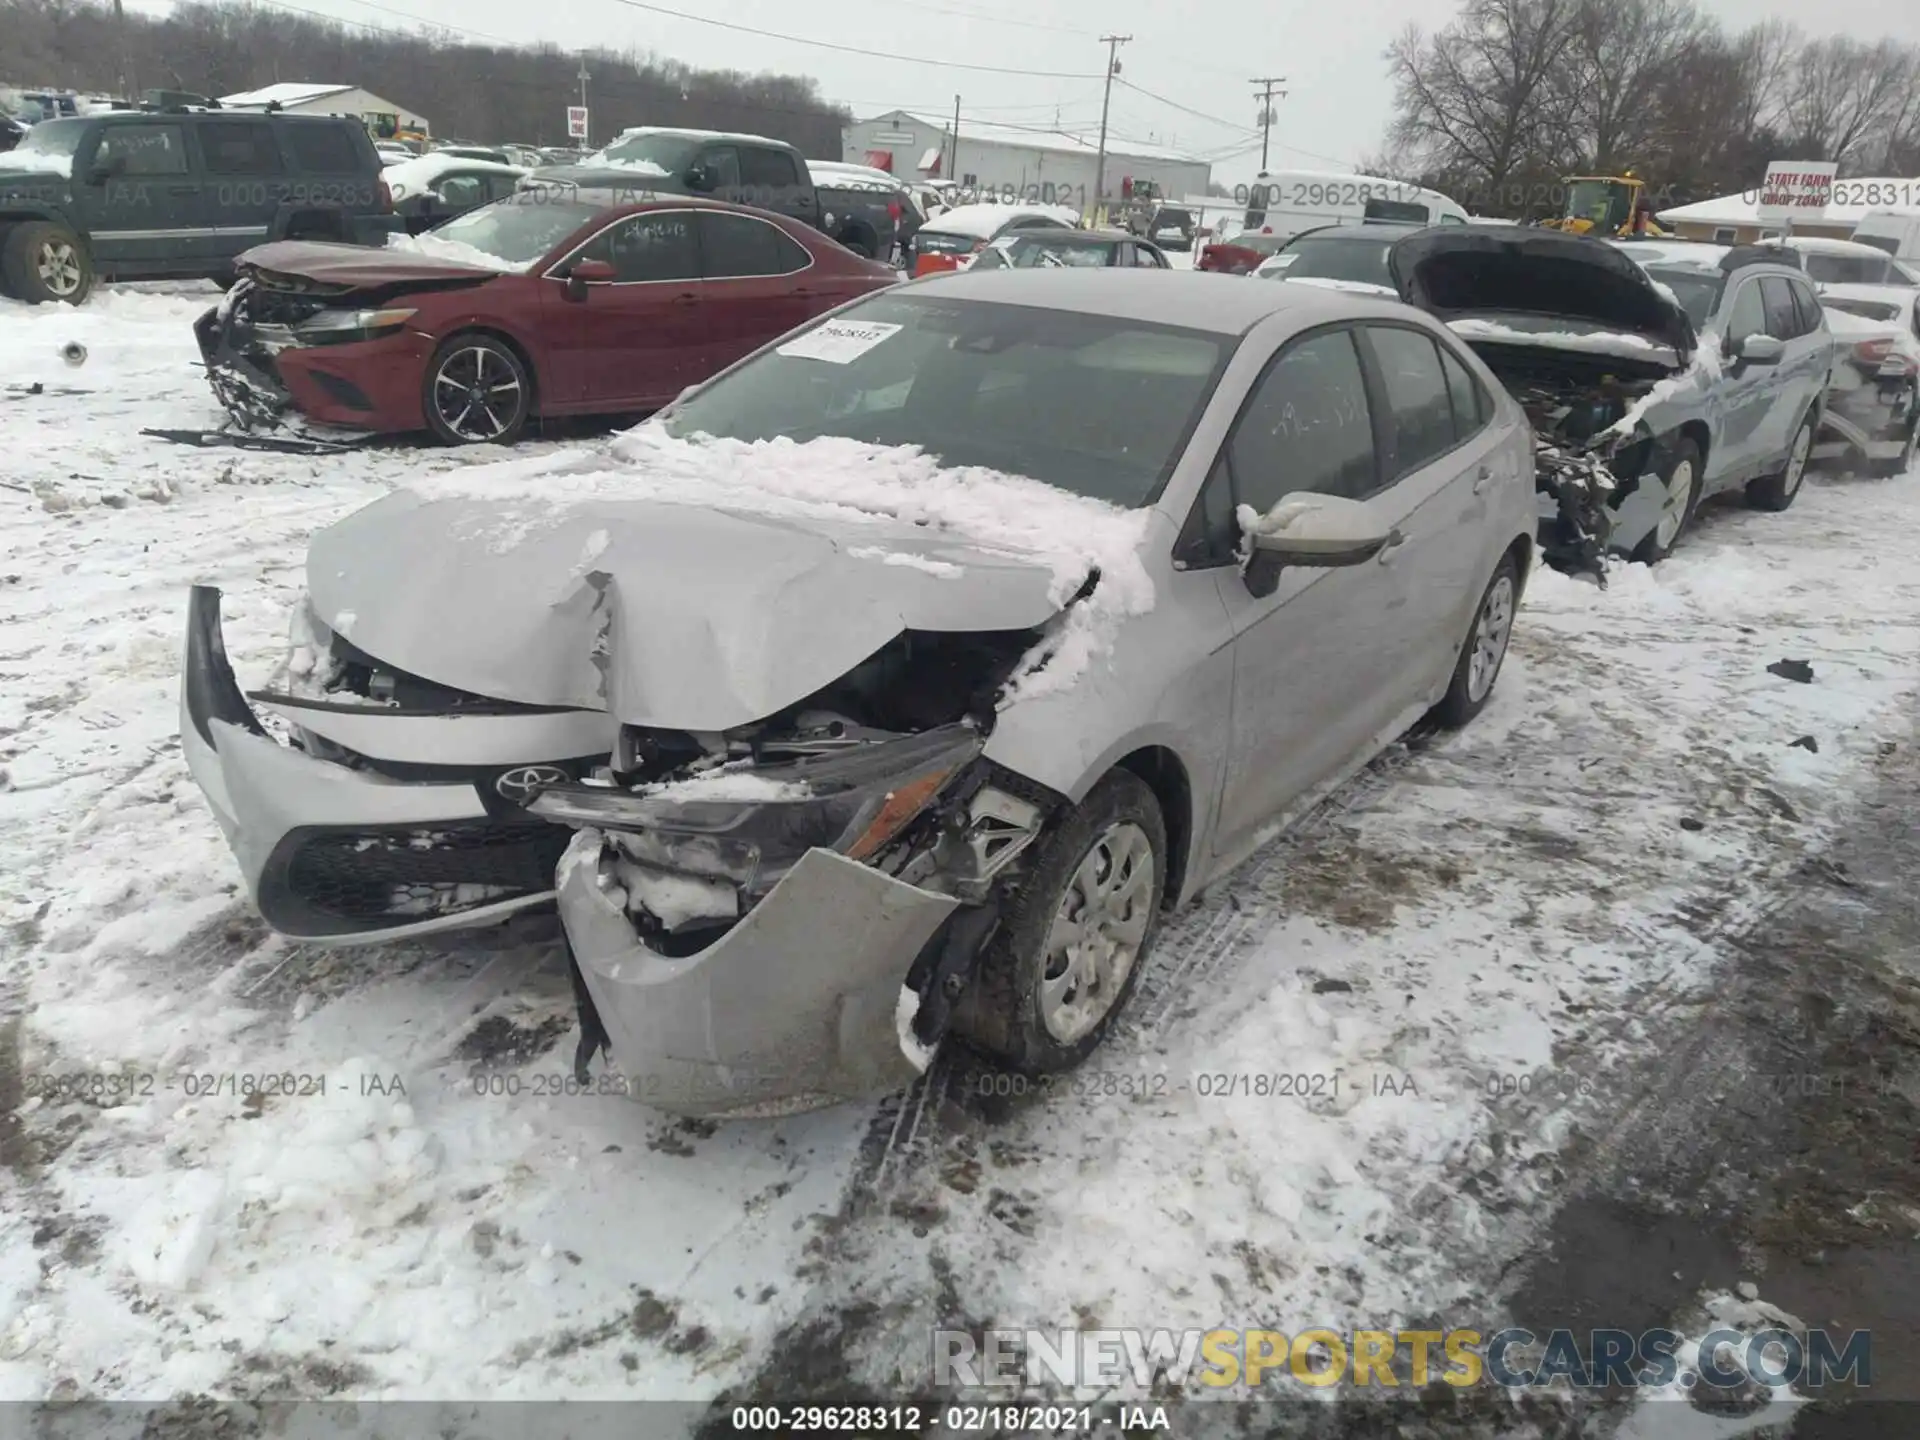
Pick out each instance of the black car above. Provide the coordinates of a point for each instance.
(151, 194)
(1353, 254)
(1071, 249)
(434, 188)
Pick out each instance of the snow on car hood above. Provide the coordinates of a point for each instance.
(705, 584)
(1456, 273)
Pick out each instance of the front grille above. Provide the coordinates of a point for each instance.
(404, 875)
(262, 306)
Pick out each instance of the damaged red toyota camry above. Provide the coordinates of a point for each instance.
(555, 301)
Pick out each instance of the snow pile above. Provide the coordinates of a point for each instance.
(415, 176)
(912, 562)
(1592, 342)
(37, 162)
(978, 222)
(442, 248)
(1735, 1379)
(607, 160)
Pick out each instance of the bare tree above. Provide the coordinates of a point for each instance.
(1607, 89)
(1844, 95)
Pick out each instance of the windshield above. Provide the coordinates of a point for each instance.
(519, 229)
(1847, 269)
(1093, 404)
(1046, 252)
(1597, 200)
(650, 154)
(1697, 290)
(1323, 257)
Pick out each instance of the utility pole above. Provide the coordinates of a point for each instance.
(1113, 44)
(583, 78)
(1267, 84)
(953, 167)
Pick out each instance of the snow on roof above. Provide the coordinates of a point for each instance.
(1744, 208)
(410, 177)
(635, 130)
(983, 221)
(975, 132)
(288, 92)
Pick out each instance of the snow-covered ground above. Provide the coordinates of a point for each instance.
(431, 1215)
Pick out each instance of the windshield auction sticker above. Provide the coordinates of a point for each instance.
(839, 342)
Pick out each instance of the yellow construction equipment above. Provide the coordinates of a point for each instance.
(1606, 205)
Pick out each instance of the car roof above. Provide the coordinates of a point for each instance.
(1054, 236)
(1188, 299)
(1853, 290)
(1369, 229)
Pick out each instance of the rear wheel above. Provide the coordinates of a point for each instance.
(1074, 934)
(1776, 492)
(1680, 480)
(45, 262)
(477, 392)
(1486, 648)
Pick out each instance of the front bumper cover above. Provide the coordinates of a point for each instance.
(336, 855)
(796, 1007)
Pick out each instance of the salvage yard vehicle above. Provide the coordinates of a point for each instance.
(952, 241)
(1339, 257)
(931, 654)
(588, 303)
(1653, 384)
(133, 195)
(1872, 412)
(1080, 249)
(1242, 254)
(431, 189)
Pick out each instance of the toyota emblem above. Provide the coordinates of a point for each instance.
(522, 783)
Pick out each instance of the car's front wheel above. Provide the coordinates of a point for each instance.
(478, 392)
(1074, 934)
(1776, 492)
(45, 262)
(1680, 481)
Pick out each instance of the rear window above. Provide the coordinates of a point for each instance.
(239, 147)
(1846, 269)
(936, 242)
(323, 149)
(1361, 258)
(1865, 309)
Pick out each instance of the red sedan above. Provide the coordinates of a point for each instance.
(550, 302)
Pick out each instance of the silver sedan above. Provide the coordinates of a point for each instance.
(1335, 501)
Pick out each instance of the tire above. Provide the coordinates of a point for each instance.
(1484, 650)
(464, 362)
(858, 243)
(1008, 1011)
(1656, 547)
(46, 263)
(1776, 492)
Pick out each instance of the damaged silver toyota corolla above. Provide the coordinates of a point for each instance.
(940, 646)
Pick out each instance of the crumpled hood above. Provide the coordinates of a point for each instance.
(669, 615)
(358, 266)
(1457, 271)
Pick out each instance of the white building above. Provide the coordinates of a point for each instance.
(1035, 164)
(1735, 219)
(300, 97)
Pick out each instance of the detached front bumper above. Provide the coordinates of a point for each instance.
(796, 1007)
(1870, 415)
(333, 854)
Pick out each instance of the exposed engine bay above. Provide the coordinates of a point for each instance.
(1584, 462)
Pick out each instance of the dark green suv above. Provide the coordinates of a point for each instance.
(143, 195)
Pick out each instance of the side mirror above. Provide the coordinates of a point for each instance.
(1760, 349)
(587, 272)
(699, 178)
(1317, 531)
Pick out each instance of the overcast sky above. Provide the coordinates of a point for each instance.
(1196, 56)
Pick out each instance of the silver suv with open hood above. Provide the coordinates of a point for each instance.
(940, 646)
(1653, 386)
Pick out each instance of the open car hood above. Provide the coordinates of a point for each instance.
(1457, 272)
(675, 616)
(357, 266)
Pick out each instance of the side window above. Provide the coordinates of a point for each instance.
(649, 247)
(1417, 395)
(1210, 535)
(239, 147)
(1749, 315)
(1305, 427)
(1146, 259)
(143, 149)
(771, 168)
(322, 149)
(723, 164)
(499, 187)
(1452, 220)
(1472, 406)
(738, 245)
(1783, 318)
(1808, 304)
(460, 190)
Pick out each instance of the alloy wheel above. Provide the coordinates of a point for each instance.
(1097, 931)
(1490, 634)
(58, 264)
(1673, 510)
(476, 393)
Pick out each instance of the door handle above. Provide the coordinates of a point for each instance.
(183, 189)
(1482, 478)
(1387, 551)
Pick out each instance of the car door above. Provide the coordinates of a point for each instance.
(638, 340)
(1746, 391)
(1438, 469)
(1809, 354)
(1790, 380)
(244, 176)
(1315, 663)
(773, 177)
(755, 286)
(139, 195)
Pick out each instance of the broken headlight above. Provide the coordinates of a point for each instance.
(341, 327)
(751, 824)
